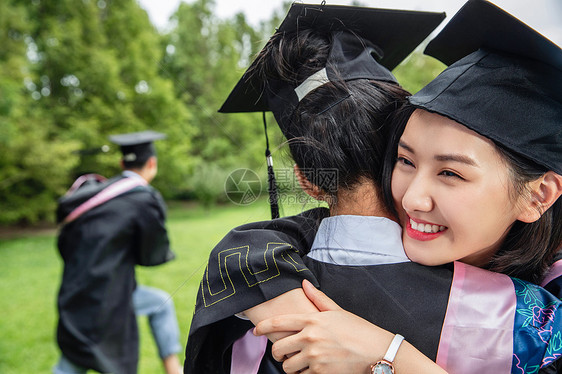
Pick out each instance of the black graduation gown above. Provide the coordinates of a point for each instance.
(97, 327)
(241, 276)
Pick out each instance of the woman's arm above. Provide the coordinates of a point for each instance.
(336, 341)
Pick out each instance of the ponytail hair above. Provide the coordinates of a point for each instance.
(341, 127)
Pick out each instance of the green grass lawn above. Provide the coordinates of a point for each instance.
(30, 271)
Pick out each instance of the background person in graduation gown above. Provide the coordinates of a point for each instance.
(283, 229)
(100, 242)
(443, 153)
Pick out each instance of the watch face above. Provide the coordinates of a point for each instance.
(382, 368)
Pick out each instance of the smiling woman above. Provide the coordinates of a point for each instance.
(455, 191)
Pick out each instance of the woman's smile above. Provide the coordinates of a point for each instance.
(420, 230)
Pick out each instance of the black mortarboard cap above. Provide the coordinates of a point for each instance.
(509, 86)
(384, 34)
(137, 146)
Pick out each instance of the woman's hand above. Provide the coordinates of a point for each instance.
(294, 301)
(334, 341)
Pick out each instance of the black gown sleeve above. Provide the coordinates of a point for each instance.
(253, 263)
(152, 243)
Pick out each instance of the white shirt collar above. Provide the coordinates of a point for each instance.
(131, 174)
(358, 240)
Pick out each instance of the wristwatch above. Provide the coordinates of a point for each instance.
(385, 366)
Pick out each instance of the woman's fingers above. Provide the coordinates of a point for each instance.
(319, 298)
(290, 351)
(295, 364)
(283, 323)
(286, 348)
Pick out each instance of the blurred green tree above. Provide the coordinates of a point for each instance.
(205, 57)
(417, 70)
(33, 162)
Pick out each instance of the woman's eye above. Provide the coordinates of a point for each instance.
(449, 173)
(404, 161)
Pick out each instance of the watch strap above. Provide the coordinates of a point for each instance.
(393, 348)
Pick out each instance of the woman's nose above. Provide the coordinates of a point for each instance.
(418, 196)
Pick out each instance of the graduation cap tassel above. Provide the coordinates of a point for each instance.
(272, 186)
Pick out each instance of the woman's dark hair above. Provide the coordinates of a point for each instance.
(401, 117)
(339, 129)
(529, 248)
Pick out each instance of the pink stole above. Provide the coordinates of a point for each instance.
(477, 334)
(108, 193)
(247, 353)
